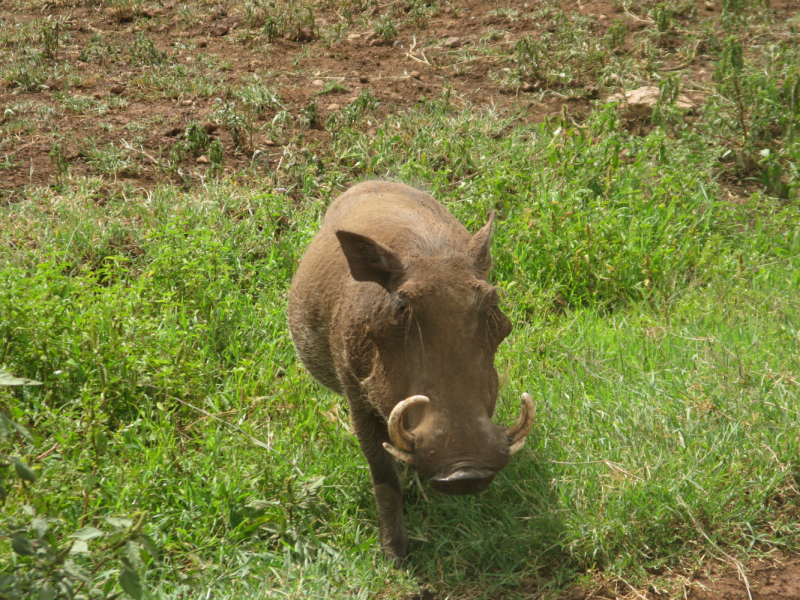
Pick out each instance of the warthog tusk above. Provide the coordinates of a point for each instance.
(520, 430)
(398, 454)
(397, 432)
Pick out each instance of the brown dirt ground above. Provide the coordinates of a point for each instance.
(295, 70)
(767, 580)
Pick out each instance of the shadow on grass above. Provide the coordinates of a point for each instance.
(507, 537)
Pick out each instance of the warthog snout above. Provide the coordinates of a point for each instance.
(463, 481)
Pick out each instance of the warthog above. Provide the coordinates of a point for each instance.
(391, 307)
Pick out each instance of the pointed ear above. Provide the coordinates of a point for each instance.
(370, 260)
(480, 247)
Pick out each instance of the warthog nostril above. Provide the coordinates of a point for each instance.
(464, 481)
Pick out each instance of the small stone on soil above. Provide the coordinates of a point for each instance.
(203, 160)
(642, 100)
(220, 30)
(116, 89)
(415, 75)
(186, 103)
(317, 82)
(210, 127)
(363, 79)
(453, 42)
(332, 107)
(202, 43)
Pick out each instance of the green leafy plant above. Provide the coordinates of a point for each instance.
(8, 428)
(60, 163)
(662, 16)
(144, 51)
(309, 116)
(616, 34)
(386, 28)
(49, 37)
(216, 154)
(53, 565)
(197, 139)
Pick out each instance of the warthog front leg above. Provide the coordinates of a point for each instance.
(371, 433)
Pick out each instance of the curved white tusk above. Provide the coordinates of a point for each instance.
(397, 433)
(520, 430)
(398, 454)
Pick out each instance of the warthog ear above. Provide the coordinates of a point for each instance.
(480, 247)
(369, 260)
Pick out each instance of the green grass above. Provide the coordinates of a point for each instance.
(657, 326)
(658, 402)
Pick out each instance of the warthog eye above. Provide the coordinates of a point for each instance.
(401, 307)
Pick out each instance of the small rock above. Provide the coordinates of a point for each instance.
(333, 107)
(709, 6)
(317, 82)
(97, 95)
(186, 102)
(415, 75)
(202, 43)
(354, 36)
(210, 127)
(602, 17)
(220, 30)
(116, 89)
(363, 79)
(643, 99)
(203, 160)
(376, 42)
(453, 42)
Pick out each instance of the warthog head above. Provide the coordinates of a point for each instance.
(430, 348)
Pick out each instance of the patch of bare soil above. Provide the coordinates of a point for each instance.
(763, 581)
(766, 582)
(127, 105)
